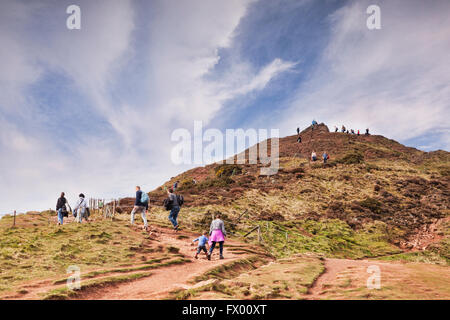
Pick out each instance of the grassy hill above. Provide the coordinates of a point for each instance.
(374, 197)
(375, 200)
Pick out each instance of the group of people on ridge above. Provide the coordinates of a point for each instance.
(345, 130)
(325, 155)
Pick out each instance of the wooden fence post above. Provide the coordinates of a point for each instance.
(259, 234)
(14, 223)
(114, 208)
(240, 216)
(286, 246)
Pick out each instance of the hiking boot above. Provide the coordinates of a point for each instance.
(209, 256)
(176, 228)
(221, 257)
(196, 256)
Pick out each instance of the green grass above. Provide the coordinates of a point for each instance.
(333, 237)
(36, 249)
(418, 256)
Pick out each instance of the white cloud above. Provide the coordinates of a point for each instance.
(180, 50)
(394, 80)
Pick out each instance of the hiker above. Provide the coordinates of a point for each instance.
(343, 129)
(298, 130)
(313, 156)
(174, 206)
(217, 235)
(299, 139)
(347, 132)
(335, 129)
(352, 131)
(325, 157)
(61, 208)
(80, 209)
(140, 205)
(175, 185)
(367, 131)
(202, 241)
(314, 123)
(358, 132)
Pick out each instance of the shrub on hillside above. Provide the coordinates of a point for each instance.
(372, 204)
(444, 171)
(216, 182)
(227, 170)
(186, 184)
(352, 158)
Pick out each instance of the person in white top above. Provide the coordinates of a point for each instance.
(80, 208)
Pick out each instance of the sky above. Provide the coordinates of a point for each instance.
(93, 110)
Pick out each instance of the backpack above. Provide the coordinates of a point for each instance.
(168, 204)
(64, 211)
(180, 199)
(144, 197)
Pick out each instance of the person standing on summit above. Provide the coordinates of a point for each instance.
(140, 206)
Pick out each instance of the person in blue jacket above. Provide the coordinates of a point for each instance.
(202, 244)
(139, 207)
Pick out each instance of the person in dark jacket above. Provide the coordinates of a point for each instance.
(61, 207)
(173, 216)
(139, 207)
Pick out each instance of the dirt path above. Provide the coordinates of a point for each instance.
(162, 280)
(165, 280)
(347, 279)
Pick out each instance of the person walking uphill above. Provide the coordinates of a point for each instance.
(173, 203)
(325, 157)
(61, 208)
(81, 208)
(217, 235)
(202, 241)
(140, 205)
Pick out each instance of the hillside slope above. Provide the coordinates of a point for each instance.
(308, 232)
(370, 181)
